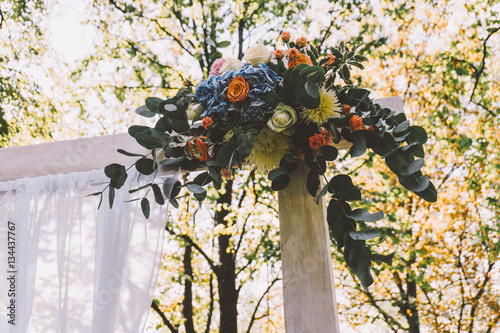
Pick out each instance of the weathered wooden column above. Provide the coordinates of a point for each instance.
(308, 290)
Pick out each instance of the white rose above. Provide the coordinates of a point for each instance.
(194, 110)
(257, 54)
(232, 64)
(283, 118)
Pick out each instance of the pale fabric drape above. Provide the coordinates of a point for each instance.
(77, 268)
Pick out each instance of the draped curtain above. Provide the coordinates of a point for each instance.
(77, 268)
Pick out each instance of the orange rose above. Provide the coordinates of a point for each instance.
(355, 123)
(316, 141)
(300, 59)
(328, 135)
(237, 91)
(198, 148)
(292, 53)
(301, 42)
(346, 109)
(278, 54)
(207, 121)
(285, 36)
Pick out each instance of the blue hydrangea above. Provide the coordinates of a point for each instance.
(261, 81)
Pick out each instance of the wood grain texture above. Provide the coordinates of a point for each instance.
(308, 290)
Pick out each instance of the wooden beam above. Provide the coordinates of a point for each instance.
(66, 156)
(309, 299)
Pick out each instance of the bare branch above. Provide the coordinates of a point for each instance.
(171, 327)
(253, 318)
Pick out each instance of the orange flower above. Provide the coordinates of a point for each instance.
(226, 173)
(278, 54)
(330, 60)
(355, 123)
(301, 42)
(300, 59)
(292, 53)
(316, 141)
(237, 91)
(285, 36)
(198, 148)
(207, 121)
(346, 109)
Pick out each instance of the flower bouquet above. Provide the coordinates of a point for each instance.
(272, 109)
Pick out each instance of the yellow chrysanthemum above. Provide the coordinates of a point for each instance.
(268, 149)
(327, 109)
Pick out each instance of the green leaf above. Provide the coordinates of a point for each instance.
(346, 74)
(203, 179)
(305, 99)
(145, 207)
(273, 174)
(313, 182)
(180, 126)
(225, 154)
(364, 235)
(210, 42)
(329, 153)
(111, 196)
(174, 203)
(429, 194)
(280, 182)
(195, 188)
(415, 182)
(152, 104)
(344, 189)
(216, 55)
(338, 222)
(363, 271)
(413, 167)
(200, 196)
(145, 112)
(223, 44)
(363, 215)
(164, 124)
(312, 89)
(170, 188)
(401, 127)
(117, 174)
(158, 195)
(126, 153)
(359, 146)
(386, 258)
(146, 166)
(417, 134)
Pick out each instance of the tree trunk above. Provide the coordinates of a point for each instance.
(187, 303)
(226, 274)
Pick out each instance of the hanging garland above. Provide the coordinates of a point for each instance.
(271, 110)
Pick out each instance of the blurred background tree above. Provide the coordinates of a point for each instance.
(221, 264)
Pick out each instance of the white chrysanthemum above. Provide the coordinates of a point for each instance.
(328, 108)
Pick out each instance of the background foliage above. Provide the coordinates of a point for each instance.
(442, 57)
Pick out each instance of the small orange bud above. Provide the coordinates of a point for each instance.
(301, 42)
(207, 122)
(346, 109)
(278, 54)
(285, 36)
(186, 82)
(226, 173)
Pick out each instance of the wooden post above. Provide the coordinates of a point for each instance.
(308, 290)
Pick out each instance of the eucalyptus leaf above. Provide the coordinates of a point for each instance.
(146, 209)
(364, 235)
(152, 104)
(158, 195)
(280, 182)
(363, 215)
(145, 112)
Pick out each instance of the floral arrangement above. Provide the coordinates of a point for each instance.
(272, 109)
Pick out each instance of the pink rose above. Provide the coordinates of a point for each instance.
(214, 70)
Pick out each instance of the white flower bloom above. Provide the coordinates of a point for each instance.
(232, 64)
(258, 53)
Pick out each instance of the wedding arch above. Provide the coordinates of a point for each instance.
(77, 268)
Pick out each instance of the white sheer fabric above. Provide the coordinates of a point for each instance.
(78, 269)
